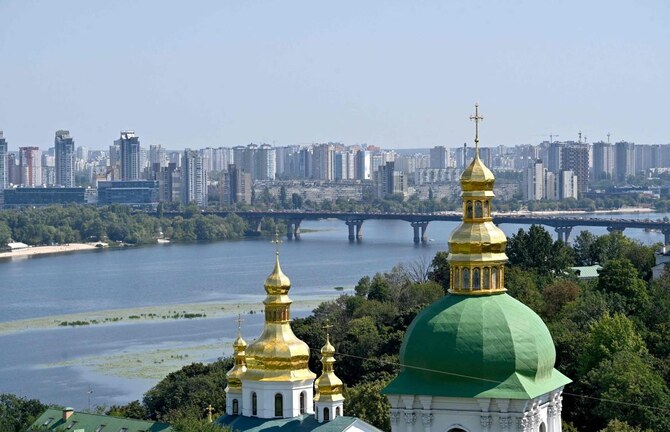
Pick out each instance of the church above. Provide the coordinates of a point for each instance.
(270, 386)
(477, 360)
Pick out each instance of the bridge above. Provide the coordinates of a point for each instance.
(563, 225)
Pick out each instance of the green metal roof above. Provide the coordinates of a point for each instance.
(52, 420)
(303, 423)
(489, 346)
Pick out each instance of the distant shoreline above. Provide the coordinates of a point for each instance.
(48, 250)
(554, 212)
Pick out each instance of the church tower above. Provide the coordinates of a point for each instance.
(329, 400)
(477, 360)
(277, 382)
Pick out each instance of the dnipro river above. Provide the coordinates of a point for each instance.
(104, 363)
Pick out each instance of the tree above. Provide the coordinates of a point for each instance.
(439, 270)
(282, 196)
(296, 201)
(607, 337)
(17, 413)
(617, 425)
(366, 402)
(379, 289)
(184, 393)
(133, 409)
(557, 295)
(5, 233)
(195, 424)
(619, 277)
(536, 250)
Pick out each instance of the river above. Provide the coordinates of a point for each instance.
(117, 361)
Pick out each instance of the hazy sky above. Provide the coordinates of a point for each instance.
(397, 74)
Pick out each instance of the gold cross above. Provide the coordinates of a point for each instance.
(327, 327)
(477, 118)
(210, 410)
(276, 240)
(239, 321)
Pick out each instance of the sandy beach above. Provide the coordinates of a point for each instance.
(46, 250)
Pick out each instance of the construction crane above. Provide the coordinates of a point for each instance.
(551, 137)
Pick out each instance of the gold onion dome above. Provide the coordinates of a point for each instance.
(239, 367)
(277, 282)
(477, 247)
(328, 385)
(277, 355)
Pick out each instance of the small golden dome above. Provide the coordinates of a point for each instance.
(277, 283)
(477, 177)
(239, 342)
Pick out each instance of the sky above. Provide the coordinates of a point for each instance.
(397, 74)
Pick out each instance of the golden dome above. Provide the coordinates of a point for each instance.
(239, 368)
(329, 386)
(277, 282)
(477, 247)
(277, 355)
(477, 177)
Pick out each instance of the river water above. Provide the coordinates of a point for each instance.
(103, 364)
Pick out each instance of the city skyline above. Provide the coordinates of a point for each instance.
(390, 74)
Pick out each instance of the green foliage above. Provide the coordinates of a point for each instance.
(439, 270)
(187, 392)
(617, 425)
(17, 413)
(133, 409)
(56, 225)
(5, 233)
(537, 251)
(619, 278)
(366, 402)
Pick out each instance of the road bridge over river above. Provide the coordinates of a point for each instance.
(563, 225)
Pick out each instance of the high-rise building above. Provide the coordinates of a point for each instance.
(4, 163)
(390, 181)
(624, 157)
(266, 162)
(64, 159)
(82, 153)
(237, 186)
(575, 158)
(554, 156)
(130, 155)
(30, 166)
(439, 157)
(363, 165)
(194, 179)
(158, 155)
(603, 161)
(323, 158)
(534, 181)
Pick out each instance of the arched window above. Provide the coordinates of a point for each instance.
(476, 284)
(254, 404)
(326, 414)
(468, 212)
(494, 278)
(279, 405)
(478, 209)
(302, 403)
(456, 430)
(337, 412)
(543, 428)
(487, 209)
(456, 278)
(466, 279)
(486, 278)
(236, 407)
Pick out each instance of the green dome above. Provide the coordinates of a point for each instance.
(477, 346)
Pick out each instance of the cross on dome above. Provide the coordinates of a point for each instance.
(477, 118)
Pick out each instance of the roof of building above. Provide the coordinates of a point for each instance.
(303, 423)
(587, 272)
(489, 346)
(52, 420)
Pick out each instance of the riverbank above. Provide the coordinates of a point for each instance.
(48, 250)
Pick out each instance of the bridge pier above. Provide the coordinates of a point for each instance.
(420, 231)
(611, 229)
(666, 234)
(563, 233)
(355, 229)
(296, 228)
